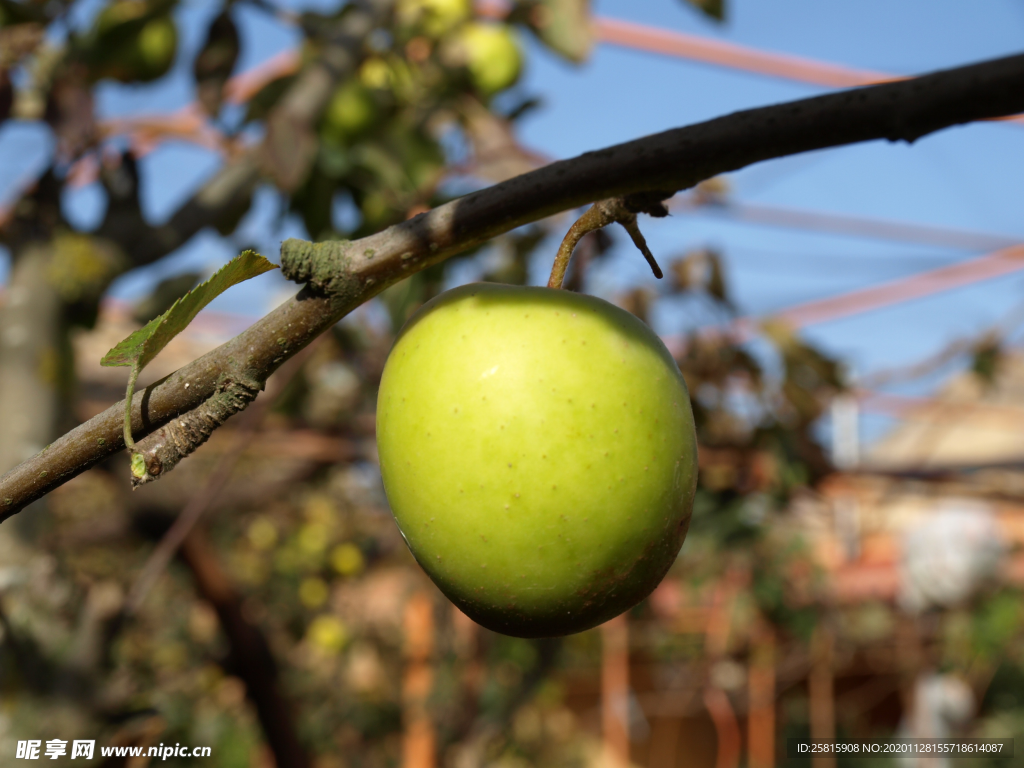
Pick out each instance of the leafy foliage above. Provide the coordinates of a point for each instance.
(132, 41)
(214, 63)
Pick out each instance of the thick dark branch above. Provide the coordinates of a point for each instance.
(344, 275)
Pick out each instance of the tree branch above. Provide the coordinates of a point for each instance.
(197, 506)
(342, 275)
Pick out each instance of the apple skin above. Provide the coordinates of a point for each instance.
(539, 455)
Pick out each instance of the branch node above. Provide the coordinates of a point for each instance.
(163, 449)
(326, 267)
(602, 213)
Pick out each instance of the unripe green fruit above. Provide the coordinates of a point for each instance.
(157, 44)
(539, 455)
(434, 17)
(129, 45)
(350, 113)
(491, 54)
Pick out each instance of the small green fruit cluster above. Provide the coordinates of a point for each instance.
(131, 42)
(490, 53)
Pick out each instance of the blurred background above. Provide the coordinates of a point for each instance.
(848, 322)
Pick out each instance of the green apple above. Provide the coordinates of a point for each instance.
(350, 113)
(157, 44)
(435, 17)
(490, 53)
(131, 43)
(538, 452)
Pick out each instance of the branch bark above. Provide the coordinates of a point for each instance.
(342, 275)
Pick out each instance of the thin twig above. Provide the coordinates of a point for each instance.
(164, 552)
(638, 240)
(598, 216)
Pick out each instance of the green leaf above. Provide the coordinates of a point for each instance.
(266, 97)
(143, 345)
(132, 41)
(213, 64)
(563, 26)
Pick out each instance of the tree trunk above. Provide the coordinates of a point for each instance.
(35, 365)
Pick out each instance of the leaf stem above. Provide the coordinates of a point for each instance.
(601, 214)
(128, 442)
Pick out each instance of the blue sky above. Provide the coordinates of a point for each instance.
(970, 177)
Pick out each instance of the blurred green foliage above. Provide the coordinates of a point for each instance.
(311, 560)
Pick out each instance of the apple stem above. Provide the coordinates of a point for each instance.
(601, 214)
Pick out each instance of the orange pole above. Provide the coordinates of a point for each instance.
(727, 729)
(716, 643)
(724, 54)
(842, 224)
(761, 694)
(615, 689)
(739, 57)
(922, 285)
(419, 742)
(997, 264)
(822, 694)
(467, 648)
